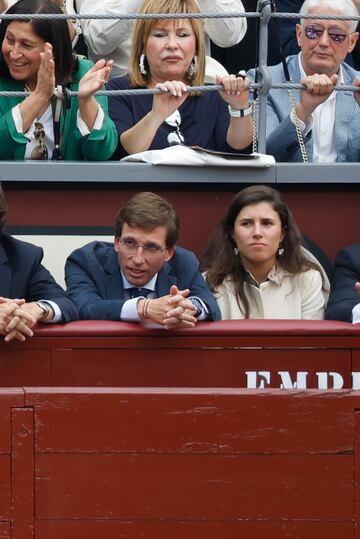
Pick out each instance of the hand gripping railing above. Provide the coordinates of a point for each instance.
(264, 82)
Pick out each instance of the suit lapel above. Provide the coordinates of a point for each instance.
(164, 281)
(113, 282)
(294, 72)
(5, 273)
(346, 111)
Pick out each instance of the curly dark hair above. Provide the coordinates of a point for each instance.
(2, 210)
(219, 260)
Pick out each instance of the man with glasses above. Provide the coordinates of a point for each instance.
(317, 123)
(142, 276)
(28, 293)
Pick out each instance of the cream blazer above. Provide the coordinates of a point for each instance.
(281, 296)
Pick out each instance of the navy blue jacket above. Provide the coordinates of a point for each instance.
(94, 281)
(343, 296)
(204, 118)
(23, 276)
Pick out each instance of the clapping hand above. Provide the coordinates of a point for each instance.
(95, 78)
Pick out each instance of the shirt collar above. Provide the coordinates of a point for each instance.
(150, 285)
(275, 275)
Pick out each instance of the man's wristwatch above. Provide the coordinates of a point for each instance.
(45, 307)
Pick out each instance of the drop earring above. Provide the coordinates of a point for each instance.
(193, 67)
(236, 251)
(142, 64)
(281, 251)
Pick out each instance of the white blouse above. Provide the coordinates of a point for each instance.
(281, 296)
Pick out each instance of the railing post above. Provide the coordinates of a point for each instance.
(263, 6)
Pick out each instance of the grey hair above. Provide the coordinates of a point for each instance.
(345, 7)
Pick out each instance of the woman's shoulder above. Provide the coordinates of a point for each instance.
(226, 287)
(118, 83)
(308, 278)
(83, 64)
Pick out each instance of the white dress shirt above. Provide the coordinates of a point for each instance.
(356, 314)
(322, 124)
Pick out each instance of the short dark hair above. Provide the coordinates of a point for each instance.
(148, 210)
(2, 210)
(54, 31)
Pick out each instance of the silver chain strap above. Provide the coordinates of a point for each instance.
(299, 134)
(254, 126)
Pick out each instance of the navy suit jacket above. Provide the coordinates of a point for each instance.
(23, 276)
(94, 280)
(344, 297)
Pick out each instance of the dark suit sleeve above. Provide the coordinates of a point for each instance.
(287, 27)
(189, 276)
(31, 280)
(84, 279)
(43, 286)
(344, 297)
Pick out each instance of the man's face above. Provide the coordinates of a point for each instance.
(324, 53)
(142, 253)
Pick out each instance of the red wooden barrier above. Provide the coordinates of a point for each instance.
(245, 354)
(195, 463)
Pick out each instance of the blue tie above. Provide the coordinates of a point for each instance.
(138, 292)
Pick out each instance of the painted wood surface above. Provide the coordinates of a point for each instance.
(180, 462)
(244, 354)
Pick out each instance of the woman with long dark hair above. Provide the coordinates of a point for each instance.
(256, 265)
(36, 55)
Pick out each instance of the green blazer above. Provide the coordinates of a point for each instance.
(97, 146)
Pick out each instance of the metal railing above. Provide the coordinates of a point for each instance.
(350, 173)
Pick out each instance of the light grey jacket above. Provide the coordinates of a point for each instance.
(282, 142)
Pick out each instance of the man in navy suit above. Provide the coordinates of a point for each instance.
(28, 293)
(142, 276)
(344, 301)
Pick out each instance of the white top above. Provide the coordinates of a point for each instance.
(281, 296)
(111, 39)
(356, 314)
(47, 120)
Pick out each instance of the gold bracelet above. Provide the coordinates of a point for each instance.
(62, 6)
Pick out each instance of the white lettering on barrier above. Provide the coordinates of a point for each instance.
(323, 378)
(252, 379)
(287, 383)
(355, 380)
(298, 380)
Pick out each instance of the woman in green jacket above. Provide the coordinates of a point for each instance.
(36, 56)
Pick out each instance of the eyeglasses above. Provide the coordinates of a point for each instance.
(316, 31)
(175, 137)
(149, 248)
(40, 152)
